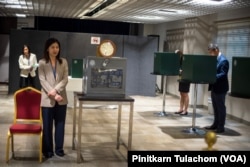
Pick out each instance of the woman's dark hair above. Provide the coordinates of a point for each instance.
(179, 53)
(25, 46)
(49, 42)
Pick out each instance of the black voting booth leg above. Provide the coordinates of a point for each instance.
(163, 113)
(193, 129)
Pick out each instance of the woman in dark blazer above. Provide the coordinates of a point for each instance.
(53, 76)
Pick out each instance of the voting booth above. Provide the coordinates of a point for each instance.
(77, 68)
(166, 63)
(240, 77)
(199, 68)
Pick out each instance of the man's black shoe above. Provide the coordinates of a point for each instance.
(60, 153)
(48, 155)
(210, 127)
(220, 130)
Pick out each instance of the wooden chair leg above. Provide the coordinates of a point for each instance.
(8, 147)
(12, 145)
(41, 147)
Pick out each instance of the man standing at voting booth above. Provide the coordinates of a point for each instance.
(219, 89)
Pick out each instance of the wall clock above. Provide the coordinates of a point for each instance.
(107, 48)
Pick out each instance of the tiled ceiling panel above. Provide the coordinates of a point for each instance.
(139, 11)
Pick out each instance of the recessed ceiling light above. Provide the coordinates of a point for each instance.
(145, 17)
(20, 15)
(211, 2)
(128, 21)
(170, 11)
(13, 6)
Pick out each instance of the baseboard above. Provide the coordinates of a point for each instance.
(238, 119)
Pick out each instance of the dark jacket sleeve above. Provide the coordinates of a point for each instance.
(221, 84)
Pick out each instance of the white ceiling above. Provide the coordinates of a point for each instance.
(138, 11)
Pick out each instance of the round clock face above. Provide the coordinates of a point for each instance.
(107, 48)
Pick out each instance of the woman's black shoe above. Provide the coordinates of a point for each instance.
(179, 112)
(184, 113)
